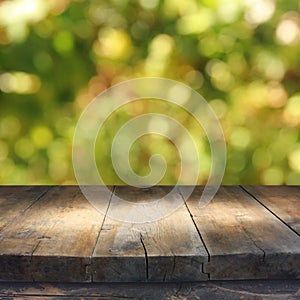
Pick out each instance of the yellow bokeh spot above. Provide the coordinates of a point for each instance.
(254, 95)
(179, 7)
(229, 10)
(19, 83)
(161, 45)
(273, 176)
(195, 23)
(209, 45)
(24, 148)
(113, 43)
(41, 136)
(220, 74)
(277, 95)
(160, 50)
(240, 138)
(292, 111)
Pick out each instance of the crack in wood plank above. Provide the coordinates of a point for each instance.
(199, 233)
(102, 225)
(236, 232)
(146, 258)
(244, 239)
(155, 244)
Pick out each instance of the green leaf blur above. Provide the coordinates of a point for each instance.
(242, 56)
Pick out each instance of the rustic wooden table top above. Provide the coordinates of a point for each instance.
(54, 234)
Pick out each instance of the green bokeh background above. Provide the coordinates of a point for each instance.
(242, 56)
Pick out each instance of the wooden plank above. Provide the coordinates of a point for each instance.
(53, 240)
(283, 201)
(244, 240)
(166, 250)
(14, 200)
(218, 290)
(55, 237)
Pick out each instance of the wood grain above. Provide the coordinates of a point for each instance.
(166, 250)
(55, 234)
(216, 290)
(283, 201)
(53, 240)
(243, 238)
(14, 200)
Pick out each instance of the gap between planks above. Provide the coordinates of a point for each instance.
(243, 238)
(166, 249)
(162, 261)
(251, 191)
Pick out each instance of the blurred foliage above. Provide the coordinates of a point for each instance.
(243, 56)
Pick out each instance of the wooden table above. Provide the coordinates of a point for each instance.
(54, 234)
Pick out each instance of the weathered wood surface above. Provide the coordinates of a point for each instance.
(14, 200)
(55, 234)
(283, 201)
(243, 238)
(53, 240)
(213, 290)
(169, 249)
